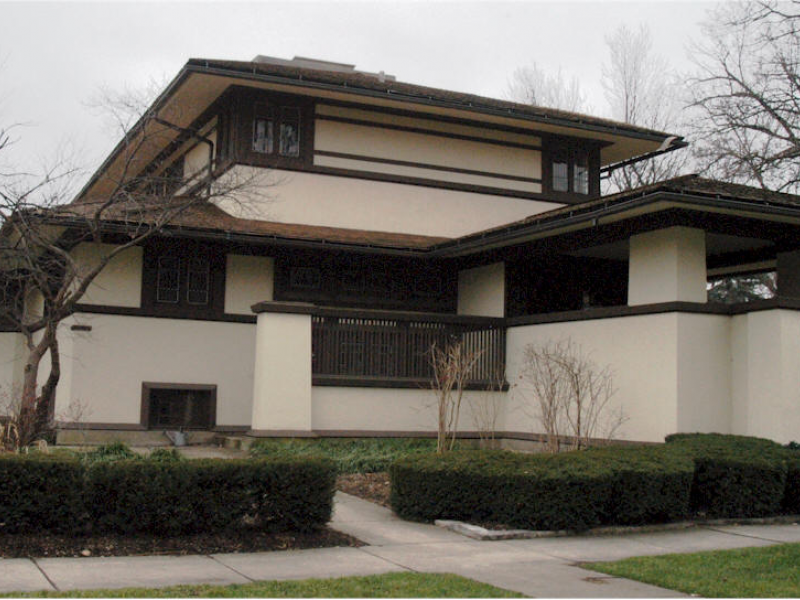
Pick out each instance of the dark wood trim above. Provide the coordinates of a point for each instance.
(147, 387)
(418, 165)
(302, 308)
(232, 428)
(125, 311)
(281, 433)
(81, 328)
(434, 132)
(447, 185)
(611, 312)
(395, 383)
(96, 425)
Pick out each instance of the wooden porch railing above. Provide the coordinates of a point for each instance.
(378, 347)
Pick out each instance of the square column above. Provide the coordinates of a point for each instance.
(667, 265)
(282, 379)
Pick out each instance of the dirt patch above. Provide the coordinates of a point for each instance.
(37, 546)
(369, 486)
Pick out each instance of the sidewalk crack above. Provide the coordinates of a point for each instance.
(745, 535)
(216, 560)
(45, 575)
(388, 560)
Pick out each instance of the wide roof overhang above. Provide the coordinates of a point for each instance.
(201, 82)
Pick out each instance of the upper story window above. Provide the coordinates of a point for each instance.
(277, 130)
(571, 170)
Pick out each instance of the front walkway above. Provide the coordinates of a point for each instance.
(536, 567)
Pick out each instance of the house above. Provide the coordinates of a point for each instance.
(397, 214)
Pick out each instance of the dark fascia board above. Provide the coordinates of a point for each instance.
(576, 215)
(193, 67)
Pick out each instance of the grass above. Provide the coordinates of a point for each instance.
(767, 572)
(390, 585)
(351, 455)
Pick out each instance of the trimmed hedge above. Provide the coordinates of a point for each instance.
(791, 495)
(40, 494)
(164, 496)
(573, 490)
(735, 476)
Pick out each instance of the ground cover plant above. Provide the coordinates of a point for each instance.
(350, 455)
(389, 585)
(766, 572)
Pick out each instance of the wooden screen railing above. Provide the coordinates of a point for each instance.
(381, 347)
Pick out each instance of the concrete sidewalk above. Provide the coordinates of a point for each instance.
(537, 567)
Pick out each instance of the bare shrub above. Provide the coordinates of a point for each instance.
(568, 395)
(452, 367)
(485, 409)
(22, 419)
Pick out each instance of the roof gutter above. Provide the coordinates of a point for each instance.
(671, 144)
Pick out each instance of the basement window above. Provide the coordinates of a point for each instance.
(177, 406)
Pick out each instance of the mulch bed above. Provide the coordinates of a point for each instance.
(244, 540)
(368, 486)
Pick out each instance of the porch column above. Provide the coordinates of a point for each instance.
(282, 380)
(482, 291)
(788, 268)
(667, 265)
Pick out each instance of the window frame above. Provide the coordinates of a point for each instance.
(572, 151)
(185, 252)
(149, 387)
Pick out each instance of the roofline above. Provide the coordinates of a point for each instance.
(428, 101)
(511, 234)
(195, 66)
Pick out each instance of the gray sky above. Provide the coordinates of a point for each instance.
(55, 56)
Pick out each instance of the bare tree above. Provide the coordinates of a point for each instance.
(485, 408)
(533, 85)
(734, 289)
(642, 89)
(747, 92)
(452, 368)
(571, 395)
(41, 279)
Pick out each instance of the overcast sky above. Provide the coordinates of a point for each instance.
(55, 56)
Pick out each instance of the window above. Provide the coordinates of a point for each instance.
(169, 406)
(285, 120)
(183, 279)
(570, 170)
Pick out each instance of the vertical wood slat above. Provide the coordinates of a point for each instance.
(385, 348)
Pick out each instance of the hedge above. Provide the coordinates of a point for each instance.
(40, 494)
(573, 490)
(791, 495)
(164, 497)
(735, 476)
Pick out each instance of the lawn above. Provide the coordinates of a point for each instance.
(351, 455)
(391, 585)
(767, 572)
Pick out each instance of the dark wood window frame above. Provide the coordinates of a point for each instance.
(571, 151)
(187, 304)
(148, 387)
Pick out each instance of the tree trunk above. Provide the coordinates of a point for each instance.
(34, 411)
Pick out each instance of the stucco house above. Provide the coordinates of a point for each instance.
(399, 214)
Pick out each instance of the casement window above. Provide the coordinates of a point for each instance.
(183, 279)
(178, 406)
(270, 119)
(571, 170)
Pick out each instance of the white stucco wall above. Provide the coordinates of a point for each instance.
(119, 283)
(380, 409)
(667, 265)
(333, 201)
(704, 373)
(11, 355)
(248, 280)
(481, 291)
(766, 374)
(104, 368)
(282, 386)
(642, 353)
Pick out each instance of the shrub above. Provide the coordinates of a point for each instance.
(791, 495)
(535, 492)
(40, 493)
(735, 476)
(109, 453)
(651, 484)
(165, 454)
(172, 497)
